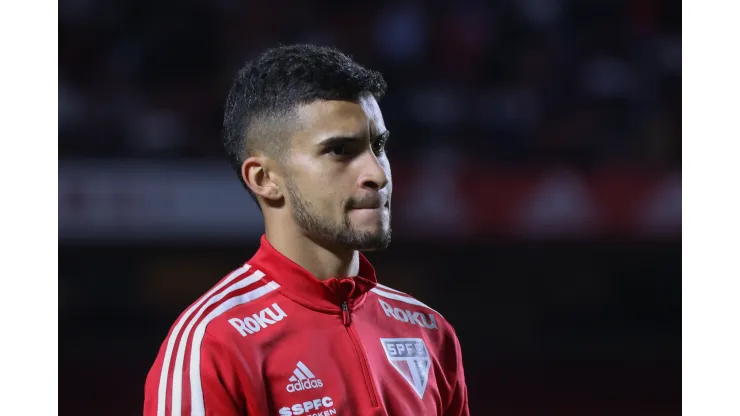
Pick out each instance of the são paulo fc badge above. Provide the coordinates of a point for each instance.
(410, 357)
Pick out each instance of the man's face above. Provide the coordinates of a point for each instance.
(338, 175)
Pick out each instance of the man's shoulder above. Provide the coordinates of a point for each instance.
(244, 287)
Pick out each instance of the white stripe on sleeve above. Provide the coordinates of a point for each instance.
(162, 393)
(406, 299)
(196, 389)
(177, 375)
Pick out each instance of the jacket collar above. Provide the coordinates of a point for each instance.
(303, 287)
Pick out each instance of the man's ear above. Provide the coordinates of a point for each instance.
(259, 176)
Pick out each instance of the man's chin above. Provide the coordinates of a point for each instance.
(374, 241)
(375, 248)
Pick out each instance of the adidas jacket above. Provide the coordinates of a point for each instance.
(270, 339)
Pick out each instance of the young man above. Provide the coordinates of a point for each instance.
(303, 327)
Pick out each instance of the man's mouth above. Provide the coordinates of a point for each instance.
(377, 204)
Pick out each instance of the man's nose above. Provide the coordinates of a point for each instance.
(374, 175)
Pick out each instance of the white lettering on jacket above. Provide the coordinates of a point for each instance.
(307, 407)
(258, 321)
(405, 315)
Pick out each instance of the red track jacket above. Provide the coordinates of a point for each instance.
(270, 339)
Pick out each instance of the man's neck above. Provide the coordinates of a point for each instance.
(322, 262)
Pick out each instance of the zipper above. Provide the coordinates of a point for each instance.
(347, 319)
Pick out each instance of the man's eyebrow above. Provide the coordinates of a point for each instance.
(350, 137)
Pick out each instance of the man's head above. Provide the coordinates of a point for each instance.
(304, 132)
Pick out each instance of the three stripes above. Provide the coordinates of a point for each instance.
(194, 342)
(301, 373)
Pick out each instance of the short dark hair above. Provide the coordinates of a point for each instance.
(268, 89)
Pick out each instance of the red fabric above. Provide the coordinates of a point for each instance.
(350, 349)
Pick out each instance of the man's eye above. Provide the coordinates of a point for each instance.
(341, 150)
(379, 146)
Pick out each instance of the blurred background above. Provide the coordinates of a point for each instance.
(536, 155)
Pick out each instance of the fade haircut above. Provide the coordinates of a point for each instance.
(261, 106)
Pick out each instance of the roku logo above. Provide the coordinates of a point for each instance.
(414, 318)
(251, 324)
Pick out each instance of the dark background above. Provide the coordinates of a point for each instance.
(536, 151)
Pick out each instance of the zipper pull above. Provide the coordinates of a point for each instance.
(345, 314)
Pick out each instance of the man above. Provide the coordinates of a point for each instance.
(303, 328)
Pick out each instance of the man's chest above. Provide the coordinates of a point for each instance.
(372, 366)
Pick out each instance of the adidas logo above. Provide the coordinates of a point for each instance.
(303, 379)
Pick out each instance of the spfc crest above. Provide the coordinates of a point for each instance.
(410, 357)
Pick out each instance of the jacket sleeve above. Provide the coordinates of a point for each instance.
(213, 389)
(459, 403)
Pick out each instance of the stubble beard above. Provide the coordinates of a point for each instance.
(343, 234)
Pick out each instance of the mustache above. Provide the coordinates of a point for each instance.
(370, 201)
